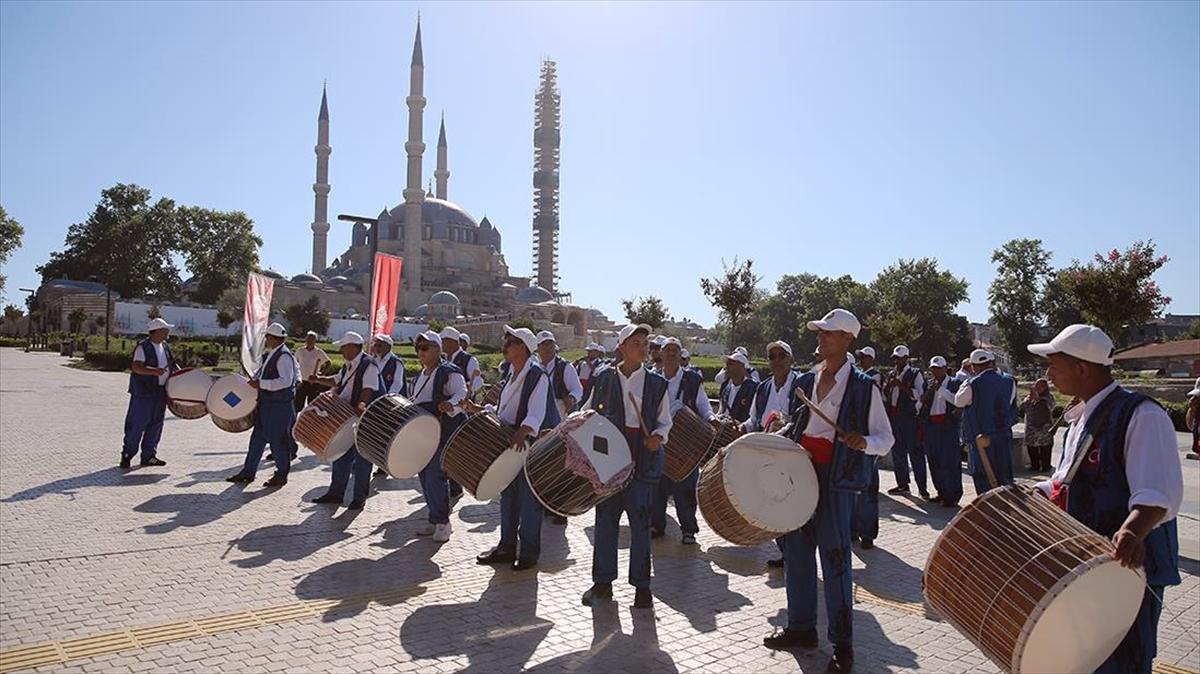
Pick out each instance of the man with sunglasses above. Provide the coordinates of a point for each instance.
(526, 404)
(439, 388)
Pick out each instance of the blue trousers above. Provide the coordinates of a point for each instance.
(273, 423)
(945, 460)
(904, 428)
(635, 500)
(144, 424)
(520, 520)
(436, 488)
(1135, 654)
(827, 534)
(684, 494)
(1000, 455)
(351, 463)
(864, 520)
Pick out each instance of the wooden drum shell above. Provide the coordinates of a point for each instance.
(320, 422)
(397, 435)
(727, 433)
(691, 437)
(472, 450)
(718, 510)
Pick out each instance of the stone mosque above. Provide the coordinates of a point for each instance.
(460, 272)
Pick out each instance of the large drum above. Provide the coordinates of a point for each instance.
(691, 437)
(583, 461)
(491, 395)
(187, 390)
(231, 403)
(479, 457)
(398, 435)
(759, 487)
(1033, 588)
(726, 433)
(326, 426)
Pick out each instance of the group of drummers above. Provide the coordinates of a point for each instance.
(1119, 474)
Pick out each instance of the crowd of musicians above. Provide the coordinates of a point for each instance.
(1119, 474)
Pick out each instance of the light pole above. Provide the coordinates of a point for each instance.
(107, 310)
(29, 305)
(373, 233)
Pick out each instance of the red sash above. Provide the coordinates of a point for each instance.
(1058, 494)
(937, 418)
(820, 448)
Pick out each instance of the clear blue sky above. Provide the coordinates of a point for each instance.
(827, 138)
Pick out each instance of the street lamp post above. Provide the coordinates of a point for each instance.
(373, 233)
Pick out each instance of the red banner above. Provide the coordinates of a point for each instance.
(384, 289)
(254, 319)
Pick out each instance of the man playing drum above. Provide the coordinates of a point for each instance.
(1119, 474)
(737, 389)
(864, 521)
(903, 388)
(843, 464)
(635, 400)
(311, 360)
(358, 383)
(476, 382)
(565, 387)
(939, 429)
(439, 388)
(526, 404)
(152, 365)
(468, 365)
(685, 388)
(275, 415)
(588, 367)
(391, 371)
(989, 409)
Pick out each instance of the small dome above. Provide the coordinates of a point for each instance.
(271, 273)
(534, 295)
(422, 310)
(508, 286)
(306, 278)
(339, 281)
(444, 297)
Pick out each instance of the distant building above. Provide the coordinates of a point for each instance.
(1158, 330)
(1181, 358)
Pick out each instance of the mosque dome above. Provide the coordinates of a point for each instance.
(436, 211)
(444, 297)
(534, 295)
(271, 273)
(508, 287)
(422, 310)
(306, 278)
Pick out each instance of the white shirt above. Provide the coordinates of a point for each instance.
(345, 378)
(1151, 455)
(286, 366)
(635, 384)
(777, 400)
(585, 370)
(941, 398)
(879, 442)
(454, 390)
(962, 375)
(965, 395)
(917, 391)
(570, 379)
(398, 380)
(160, 352)
(510, 400)
(673, 385)
(310, 361)
(731, 395)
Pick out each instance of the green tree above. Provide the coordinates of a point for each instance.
(800, 298)
(732, 293)
(308, 316)
(1015, 295)
(751, 331)
(226, 319)
(523, 323)
(126, 241)
(436, 325)
(220, 249)
(1193, 332)
(649, 310)
(1060, 306)
(13, 313)
(11, 233)
(233, 301)
(1116, 290)
(154, 311)
(76, 318)
(916, 290)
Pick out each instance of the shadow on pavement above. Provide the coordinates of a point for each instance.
(70, 486)
(873, 651)
(686, 582)
(292, 542)
(193, 510)
(886, 575)
(484, 517)
(612, 650)
(265, 468)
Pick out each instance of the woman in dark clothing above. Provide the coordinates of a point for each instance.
(1038, 407)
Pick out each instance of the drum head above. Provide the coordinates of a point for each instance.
(1082, 620)
(341, 442)
(771, 481)
(414, 445)
(500, 474)
(604, 444)
(231, 397)
(189, 386)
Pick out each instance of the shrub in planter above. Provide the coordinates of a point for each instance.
(109, 361)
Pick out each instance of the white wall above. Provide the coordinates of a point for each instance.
(130, 318)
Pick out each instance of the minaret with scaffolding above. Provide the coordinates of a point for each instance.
(546, 138)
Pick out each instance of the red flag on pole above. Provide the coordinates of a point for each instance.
(384, 289)
(254, 319)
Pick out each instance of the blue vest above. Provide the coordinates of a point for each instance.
(144, 385)
(592, 367)
(905, 403)
(689, 389)
(388, 373)
(740, 410)
(851, 469)
(559, 390)
(551, 418)
(608, 399)
(270, 370)
(952, 412)
(1099, 494)
(460, 360)
(992, 410)
(763, 394)
(356, 381)
(441, 374)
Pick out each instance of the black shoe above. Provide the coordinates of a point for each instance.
(496, 556)
(949, 504)
(276, 480)
(356, 505)
(597, 593)
(125, 462)
(657, 533)
(293, 455)
(642, 598)
(775, 563)
(789, 639)
(843, 658)
(522, 564)
(925, 495)
(899, 489)
(867, 543)
(937, 498)
(328, 498)
(240, 478)
(153, 462)
(379, 472)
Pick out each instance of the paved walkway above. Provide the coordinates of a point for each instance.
(174, 569)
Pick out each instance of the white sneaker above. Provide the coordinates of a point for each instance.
(441, 533)
(425, 529)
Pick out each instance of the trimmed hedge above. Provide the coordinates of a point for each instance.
(13, 341)
(109, 361)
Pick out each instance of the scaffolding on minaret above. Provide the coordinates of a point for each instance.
(546, 136)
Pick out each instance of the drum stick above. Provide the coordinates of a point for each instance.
(816, 410)
(982, 442)
(641, 422)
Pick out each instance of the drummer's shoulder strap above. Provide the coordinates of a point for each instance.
(805, 382)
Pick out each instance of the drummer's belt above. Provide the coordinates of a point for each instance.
(937, 418)
(820, 448)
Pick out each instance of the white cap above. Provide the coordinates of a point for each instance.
(1085, 342)
(596, 347)
(157, 324)
(276, 330)
(685, 354)
(780, 344)
(672, 340)
(464, 338)
(545, 336)
(311, 333)
(429, 336)
(900, 351)
(868, 351)
(739, 357)
(838, 320)
(350, 337)
(937, 361)
(981, 356)
(525, 335)
(386, 339)
(659, 340)
(450, 332)
(1196, 391)
(850, 357)
(628, 331)
(742, 350)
